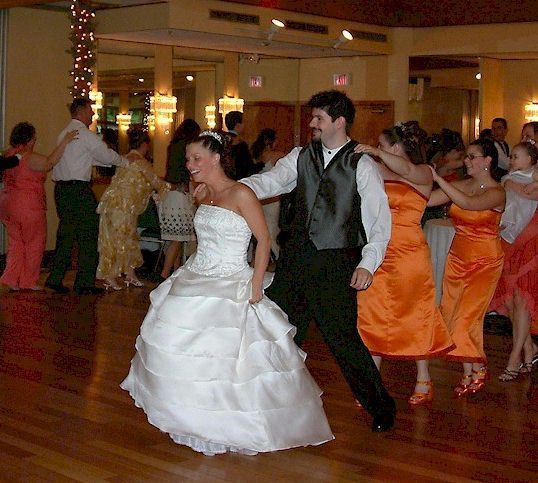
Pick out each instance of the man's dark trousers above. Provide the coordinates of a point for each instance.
(314, 284)
(79, 222)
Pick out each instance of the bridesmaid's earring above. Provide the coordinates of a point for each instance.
(486, 169)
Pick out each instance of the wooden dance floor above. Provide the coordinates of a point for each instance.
(63, 416)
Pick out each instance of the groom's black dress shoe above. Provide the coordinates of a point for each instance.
(57, 287)
(89, 290)
(383, 422)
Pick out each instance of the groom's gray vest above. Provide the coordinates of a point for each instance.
(327, 205)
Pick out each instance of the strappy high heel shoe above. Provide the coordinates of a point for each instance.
(509, 375)
(463, 387)
(111, 284)
(133, 281)
(422, 397)
(479, 380)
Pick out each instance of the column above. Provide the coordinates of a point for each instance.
(491, 92)
(163, 86)
(123, 106)
(398, 72)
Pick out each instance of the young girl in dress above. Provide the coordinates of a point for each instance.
(216, 366)
(515, 296)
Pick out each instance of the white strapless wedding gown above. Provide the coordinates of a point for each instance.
(215, 372)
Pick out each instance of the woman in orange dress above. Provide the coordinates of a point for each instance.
(398, 317)
(475, 259)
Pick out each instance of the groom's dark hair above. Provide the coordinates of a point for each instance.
(335, 104)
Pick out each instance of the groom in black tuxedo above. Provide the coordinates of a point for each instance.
(338, 237)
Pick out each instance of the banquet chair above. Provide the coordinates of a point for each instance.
(149, 230)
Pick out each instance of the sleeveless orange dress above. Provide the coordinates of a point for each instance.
(397, 315)
(473, 267)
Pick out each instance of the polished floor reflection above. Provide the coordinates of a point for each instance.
(63, 416)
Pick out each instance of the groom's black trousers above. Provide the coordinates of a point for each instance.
(311, 284)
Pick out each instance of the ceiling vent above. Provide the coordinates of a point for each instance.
(307, 27)
(371, 36)
(234, 17)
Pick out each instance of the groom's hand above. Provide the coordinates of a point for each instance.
(361, 279)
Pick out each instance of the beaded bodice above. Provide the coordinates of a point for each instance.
(223, 238)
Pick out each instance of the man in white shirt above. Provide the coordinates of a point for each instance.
(499, 128)
(76, 203)
(338, 238)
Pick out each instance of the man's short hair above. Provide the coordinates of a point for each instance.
(335, 103)
(78, 104)
(232, 119)
(502, 120)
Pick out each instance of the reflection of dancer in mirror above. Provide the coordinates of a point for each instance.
(395, 321)
(176, 209)
(475, 259)
(338, 237)
(264, 151)
(216, 366)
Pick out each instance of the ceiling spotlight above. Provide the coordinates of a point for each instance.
(189, 77)
(276, 25)
(478, 76)
(345, 36)
(141, 79)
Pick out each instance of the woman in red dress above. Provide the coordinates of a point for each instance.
(517, 292)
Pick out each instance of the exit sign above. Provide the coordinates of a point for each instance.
(255, 81)
(341, 79)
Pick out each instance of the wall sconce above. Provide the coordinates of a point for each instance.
(150, 119)
(531, 112)
(227, 104)
(163, 108)
(97, 98)
(345, 36)
(123, 121)
(210, 115)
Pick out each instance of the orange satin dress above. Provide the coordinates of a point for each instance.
(397, 315)
(473, 267)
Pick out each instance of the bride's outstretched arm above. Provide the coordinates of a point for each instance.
(251, 210)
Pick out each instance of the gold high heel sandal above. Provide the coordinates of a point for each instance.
(422, 397)
(111, 284)
(463, 387)
(133, 281)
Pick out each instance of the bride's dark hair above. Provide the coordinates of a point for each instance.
(218, 143)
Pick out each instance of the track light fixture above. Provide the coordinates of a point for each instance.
(276, 25)
(345, 36)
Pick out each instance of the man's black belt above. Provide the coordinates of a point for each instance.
(72, 182)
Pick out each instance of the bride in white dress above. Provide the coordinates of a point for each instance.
(215, 365)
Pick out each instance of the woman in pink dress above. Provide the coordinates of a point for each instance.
(516, 293)
(23, 208)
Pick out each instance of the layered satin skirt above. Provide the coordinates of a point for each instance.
(219, 374)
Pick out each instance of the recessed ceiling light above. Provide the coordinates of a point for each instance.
(140, 79)
(189, 77)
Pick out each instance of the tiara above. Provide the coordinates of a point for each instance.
(531, 141)
(213, 134)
